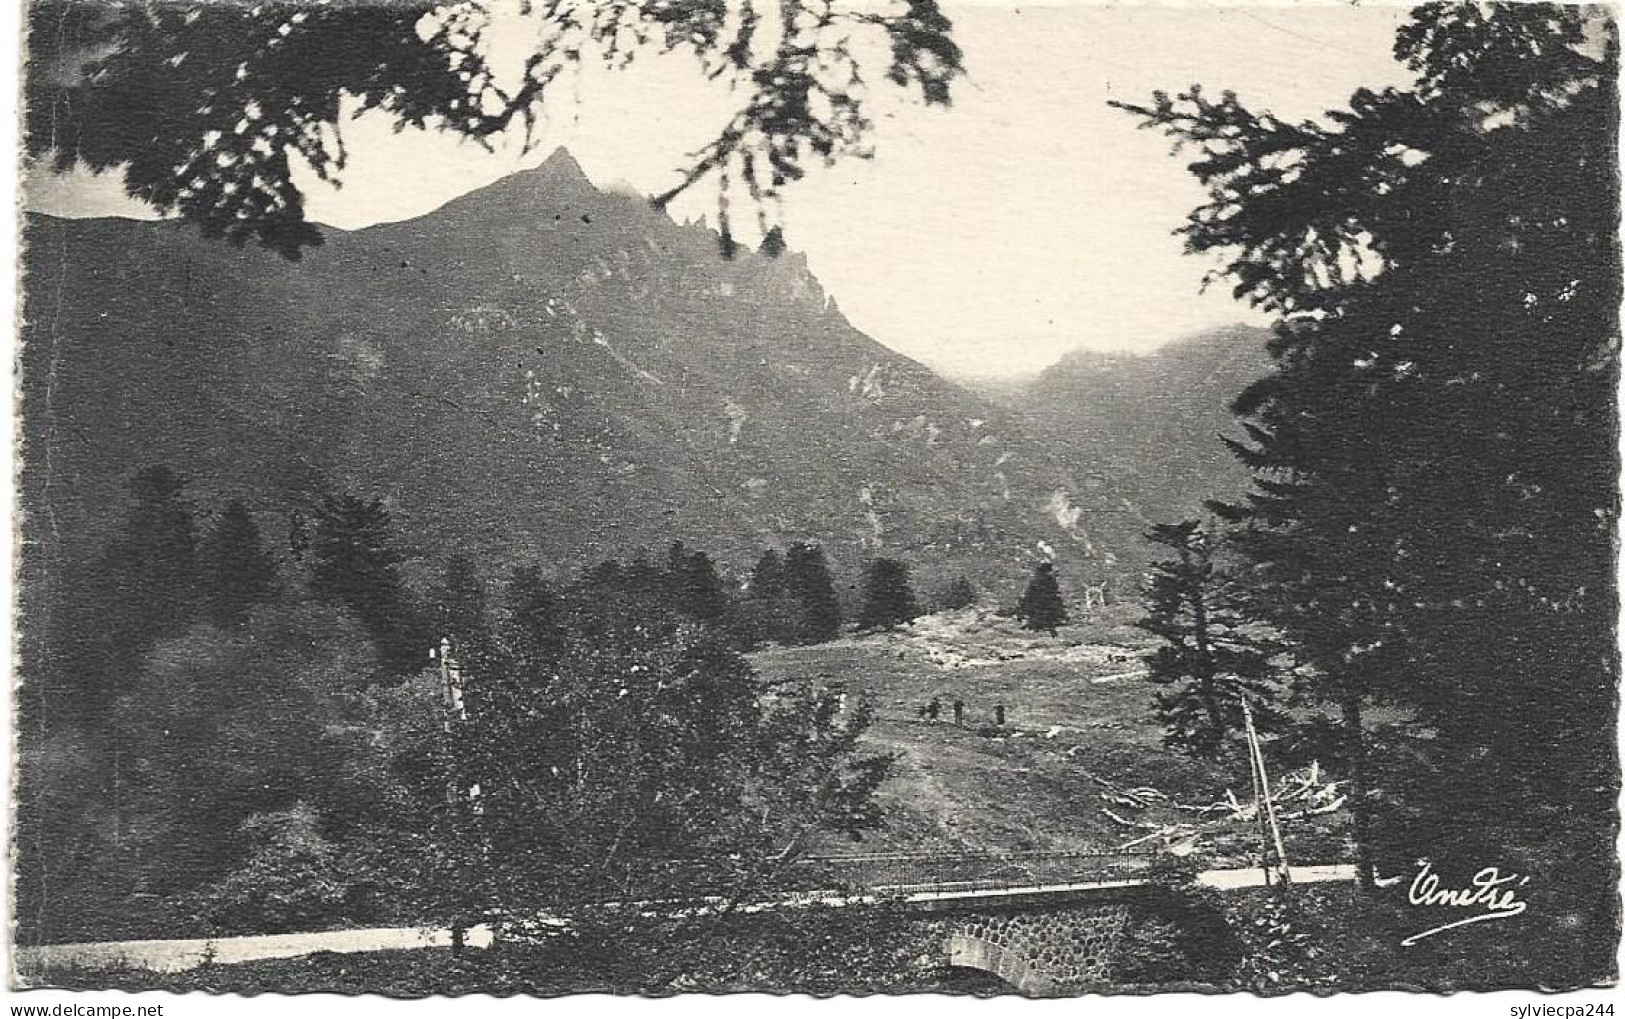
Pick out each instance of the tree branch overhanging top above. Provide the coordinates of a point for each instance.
(208, 107)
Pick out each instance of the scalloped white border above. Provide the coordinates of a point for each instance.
(743, 1006)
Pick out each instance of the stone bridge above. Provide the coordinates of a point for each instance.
(1047, 923)
(1041, 953)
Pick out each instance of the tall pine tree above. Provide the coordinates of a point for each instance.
(1211, 656)
(888, 600)
(959, 594)
(696, 589)
(357, 565)
(766, 611)
(146, 587)
(1041, 607)
(808, 581)
(238, 571)
(533, 621)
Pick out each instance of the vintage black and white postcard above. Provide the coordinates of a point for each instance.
(816, 496)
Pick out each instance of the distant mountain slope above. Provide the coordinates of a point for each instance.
(1001, 390)
(535, 371)
(1151, 423)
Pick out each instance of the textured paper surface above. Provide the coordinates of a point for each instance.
(460, 575)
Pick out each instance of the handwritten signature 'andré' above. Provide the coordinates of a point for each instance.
(1489, 890)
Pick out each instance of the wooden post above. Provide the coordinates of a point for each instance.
(1262, 779)
(1258, 801)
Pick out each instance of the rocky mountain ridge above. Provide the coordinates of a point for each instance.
(537, 371)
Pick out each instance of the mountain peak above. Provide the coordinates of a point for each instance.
(561, 167)
(558, 182)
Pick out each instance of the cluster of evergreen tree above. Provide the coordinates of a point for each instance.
(683, 587)
(789, 599)
(158, 574)
(192, 674)
(203, 676)
(355, 563)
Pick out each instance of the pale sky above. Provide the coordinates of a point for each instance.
(989, 238)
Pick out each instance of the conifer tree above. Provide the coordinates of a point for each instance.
(888, 600)
(808, 581)
(1041, 607)
(458, 602)
(608, 577)
(143, 588)
(613, 597)
(766, 611)
(1212, 655)
(147, 587)
(641, 576)
(768, 577)
(156, 557)
(238, 571)
(959, 594)
(676, 558)
(596, 600)
(646, 589)
(357, 565)
(533, 623)
(696, 589)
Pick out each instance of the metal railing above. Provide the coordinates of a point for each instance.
(944, 872)
(674, 882)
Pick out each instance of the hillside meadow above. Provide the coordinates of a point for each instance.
(1079, 741)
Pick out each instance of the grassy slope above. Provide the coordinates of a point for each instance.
(1031, 786)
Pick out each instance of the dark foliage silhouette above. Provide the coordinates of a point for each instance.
(458, 602)
(812, 590)
(145, 587)
(238, 571)
(207, 108)
(533, 619)
(959, 594)
(1041, 607)
(695, 585)
(1211, 656)
(1434, 507)
(356, 565)
(888, 599)
(766, 611)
